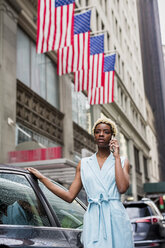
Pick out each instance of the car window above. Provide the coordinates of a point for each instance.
(18, 202)
(154, 209)
(70, 215)
(138, 211)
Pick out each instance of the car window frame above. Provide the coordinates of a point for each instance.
(76, 199)
(37, 191)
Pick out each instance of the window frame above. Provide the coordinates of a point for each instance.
(38, 193)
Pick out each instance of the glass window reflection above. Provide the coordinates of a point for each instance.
(81, 110)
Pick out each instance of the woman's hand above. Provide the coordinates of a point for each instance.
(38, 174)
(114, 147)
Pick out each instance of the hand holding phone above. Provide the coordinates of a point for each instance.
(110, 146)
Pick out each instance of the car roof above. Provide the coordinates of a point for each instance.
(13, 168)
(145, 201)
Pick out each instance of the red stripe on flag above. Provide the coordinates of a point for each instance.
(108, 87)
(61, 61)
(78, 81)
(72, 58)
(93, 70)
(38, 23)
(113, 85)
(104, 88)
(87, 84)
(88, 49)
(102, 70)
(50, 17)
(83, 55)
(67, 58)
(55, 31)
(78, 52)
(61, 27)
(67, 20)
(72, 25)
(43, 27)
(58, 60)
(97, 77)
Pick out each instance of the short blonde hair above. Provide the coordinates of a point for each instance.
(106, 121)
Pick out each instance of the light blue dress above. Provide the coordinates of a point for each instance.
(106, 223)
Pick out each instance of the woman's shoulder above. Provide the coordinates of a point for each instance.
(86, 159)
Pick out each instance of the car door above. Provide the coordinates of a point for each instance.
(70, 215)
(25, 218)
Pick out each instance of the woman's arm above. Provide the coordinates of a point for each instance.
(69, 195)
(121, 174)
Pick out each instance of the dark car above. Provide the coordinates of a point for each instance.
(147, 222)
(30, 215)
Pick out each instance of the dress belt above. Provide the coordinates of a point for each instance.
(99, 202)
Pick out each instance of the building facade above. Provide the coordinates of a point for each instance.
(163, 47)
(38, 109)
(153, 70)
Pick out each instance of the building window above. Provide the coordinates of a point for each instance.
(123, 70)
(116, 27)
(124, 151)
(145, 167)
(24, 134)
(119, 64)
(37, 71)
(136, 155)
(81, 110)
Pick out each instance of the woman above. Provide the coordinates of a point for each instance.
(104, 176)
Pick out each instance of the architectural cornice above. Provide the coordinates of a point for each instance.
(5, 7)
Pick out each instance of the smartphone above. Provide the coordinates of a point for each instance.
(112, 148)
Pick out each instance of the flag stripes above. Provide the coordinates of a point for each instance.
(76, 57)
(54, 26)
(103, 94)
(81, 80)
(59, 29)
(91, 77)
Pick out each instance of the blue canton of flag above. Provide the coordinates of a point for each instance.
(76, 57)
(97, 44)
(55, 27)
(105, 93)
(82, 22)
(109, 62)
(59, 3)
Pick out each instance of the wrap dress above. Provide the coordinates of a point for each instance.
(106, 223)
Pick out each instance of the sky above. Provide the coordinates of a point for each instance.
(161, 5)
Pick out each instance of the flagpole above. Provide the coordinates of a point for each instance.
(110, 52)
(98, 32)
(84, 8)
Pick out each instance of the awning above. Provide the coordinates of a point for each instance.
(154, 187)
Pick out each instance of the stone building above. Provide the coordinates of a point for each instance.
(39, 109)
(153, 70)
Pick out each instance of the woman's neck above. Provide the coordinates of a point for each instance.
(102, 152)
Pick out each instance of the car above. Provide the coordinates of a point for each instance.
(147, 222)
(31, 215)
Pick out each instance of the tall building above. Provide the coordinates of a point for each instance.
(163, 47)
(153, 70)
(38, 109)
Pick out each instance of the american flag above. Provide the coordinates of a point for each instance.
(54, 24)
(76, 57)
(105, 93)
(92, 77)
